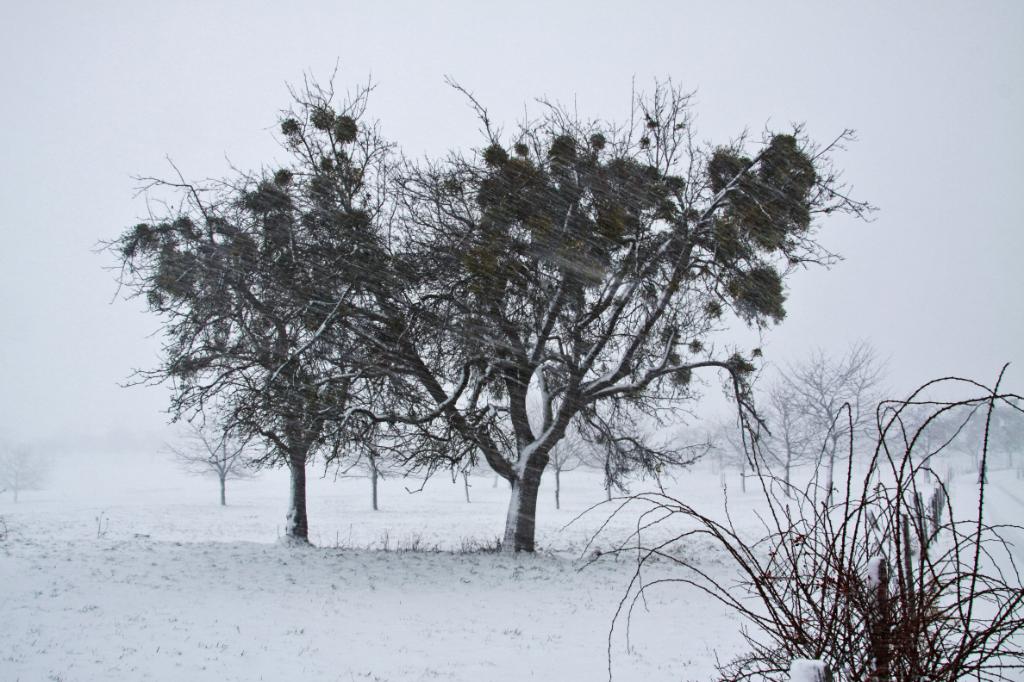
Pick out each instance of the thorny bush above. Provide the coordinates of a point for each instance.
(886, 580)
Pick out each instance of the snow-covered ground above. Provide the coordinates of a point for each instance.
(103, 580)
(153, 580)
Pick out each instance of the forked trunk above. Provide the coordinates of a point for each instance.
(297, 525)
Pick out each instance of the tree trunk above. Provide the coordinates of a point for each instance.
(831, 455)
(830, 478)
(465, 485)
(558, 488)
(297, 524)
(830, 483)
(223, 498)
(374, 477)
(521, 522)
(789, 467)
(373, 493)
(608, 477)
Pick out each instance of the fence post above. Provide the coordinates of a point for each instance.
(879, 622)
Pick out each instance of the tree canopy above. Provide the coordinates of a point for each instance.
(355, 294)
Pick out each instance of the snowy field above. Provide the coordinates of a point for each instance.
(155, 581)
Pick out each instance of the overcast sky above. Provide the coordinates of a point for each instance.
(96, 93)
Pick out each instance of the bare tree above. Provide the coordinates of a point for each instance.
(21, 468)
(613, 473)
(589, 259)
(464, 474)
(567, 455)
(626, 451)
(248, 274)
(207, 452)
(1005, 428)
(823, 386)
(361, 459)
(791, 439)
(726, 443)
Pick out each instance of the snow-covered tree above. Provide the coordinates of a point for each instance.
(362, 459)
(791, 439)
(1005, 434)
(589, 262)
(726, 445)
(247, 275)
(21, 468)
(208, 452)
(568, 454)
(834, 396)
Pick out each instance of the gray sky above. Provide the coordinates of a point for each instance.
(98, 92)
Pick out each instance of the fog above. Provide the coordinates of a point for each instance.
(402, 558)
(98, 93)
